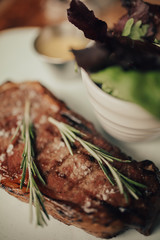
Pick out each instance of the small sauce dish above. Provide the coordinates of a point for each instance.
(53, 44)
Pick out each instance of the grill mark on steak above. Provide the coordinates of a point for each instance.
(74, 121)
(77, 192)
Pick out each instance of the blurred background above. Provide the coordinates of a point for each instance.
(16, 13)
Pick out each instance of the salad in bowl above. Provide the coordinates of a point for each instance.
(121, 69)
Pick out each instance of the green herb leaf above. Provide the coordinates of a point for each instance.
(28, 164)
(135, 31)
(127, 28)
(157, 42)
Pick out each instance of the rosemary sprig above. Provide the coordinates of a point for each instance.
(104, 159)
(36, 197)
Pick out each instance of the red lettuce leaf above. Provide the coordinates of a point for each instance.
(125, 52)
(110, 50)
(85, 20)
(139, 10)
(92, 59)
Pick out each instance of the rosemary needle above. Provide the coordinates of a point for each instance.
(104, 159)
(28, 164)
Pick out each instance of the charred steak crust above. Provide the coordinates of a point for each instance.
(77, 192)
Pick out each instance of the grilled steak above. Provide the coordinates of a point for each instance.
(76, 191)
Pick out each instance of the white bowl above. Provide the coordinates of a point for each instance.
(123, 120)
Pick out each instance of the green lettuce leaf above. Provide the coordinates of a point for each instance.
(142, 88)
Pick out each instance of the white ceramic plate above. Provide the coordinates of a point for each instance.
(18, 62)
